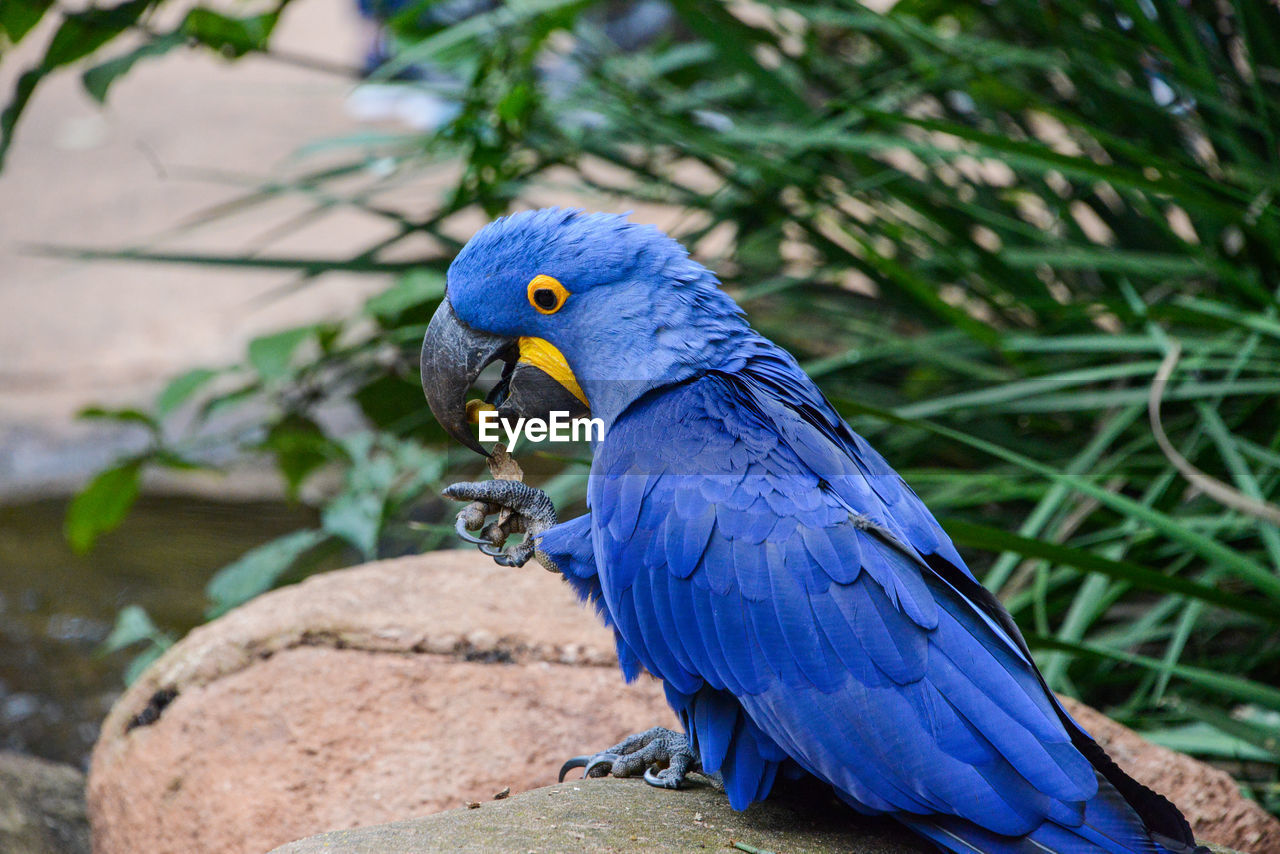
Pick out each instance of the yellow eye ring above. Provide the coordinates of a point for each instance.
(546, 295)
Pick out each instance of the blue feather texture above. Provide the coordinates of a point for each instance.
(795, 602)
(802, 607)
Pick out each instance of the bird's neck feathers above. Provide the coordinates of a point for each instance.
(681, 329)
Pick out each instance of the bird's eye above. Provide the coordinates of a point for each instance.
(546, 294)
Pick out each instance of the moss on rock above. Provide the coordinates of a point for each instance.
(611, 815)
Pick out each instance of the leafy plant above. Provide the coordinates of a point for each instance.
(1030, 249)
(133, 627)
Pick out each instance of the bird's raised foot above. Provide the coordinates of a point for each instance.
(520, 509)
(663, 756)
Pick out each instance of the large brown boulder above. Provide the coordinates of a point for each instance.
(406, 687)
(386, 691)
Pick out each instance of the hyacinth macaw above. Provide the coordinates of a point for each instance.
(805, 612)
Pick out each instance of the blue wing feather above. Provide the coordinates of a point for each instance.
(783, 592)
(569, 546)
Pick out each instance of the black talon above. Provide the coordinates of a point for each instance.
(575, 762)
(460, 528)
(599, 760)
(504, 559)
(673, 776)
(654, 778)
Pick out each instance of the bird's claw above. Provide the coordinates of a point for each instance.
(664, 756)
(520, 509)
(574, 762)
(517, 555)
(666, 778)
(460, 528)
(590, 764)
(602, 763)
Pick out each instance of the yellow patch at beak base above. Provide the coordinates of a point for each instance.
(542, 354)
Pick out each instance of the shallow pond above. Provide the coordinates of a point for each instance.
(55, 607)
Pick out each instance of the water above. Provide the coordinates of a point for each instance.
(55, 607)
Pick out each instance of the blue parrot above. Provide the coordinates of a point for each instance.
(803, 609)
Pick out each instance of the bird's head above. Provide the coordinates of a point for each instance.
(586, 311)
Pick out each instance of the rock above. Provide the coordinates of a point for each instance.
(406, 687)
(377, 693)
(1207, 796)
(623, 815)
(42, 809)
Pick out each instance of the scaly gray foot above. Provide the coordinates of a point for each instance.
(664, 757)
(530, 512)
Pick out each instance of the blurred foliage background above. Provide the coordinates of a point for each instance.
(1030, 249)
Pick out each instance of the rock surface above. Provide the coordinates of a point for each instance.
(407, 687)
(392, 690)
(42, 808)
(610, 815)
(1208, 797)
(625, 816)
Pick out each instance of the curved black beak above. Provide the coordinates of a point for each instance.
(453, 355)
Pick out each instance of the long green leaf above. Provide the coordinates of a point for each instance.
(1241, 688)
(994, 539)
(1241, 565)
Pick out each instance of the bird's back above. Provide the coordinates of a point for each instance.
(803, 606)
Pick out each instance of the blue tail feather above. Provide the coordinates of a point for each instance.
(1109, 826)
